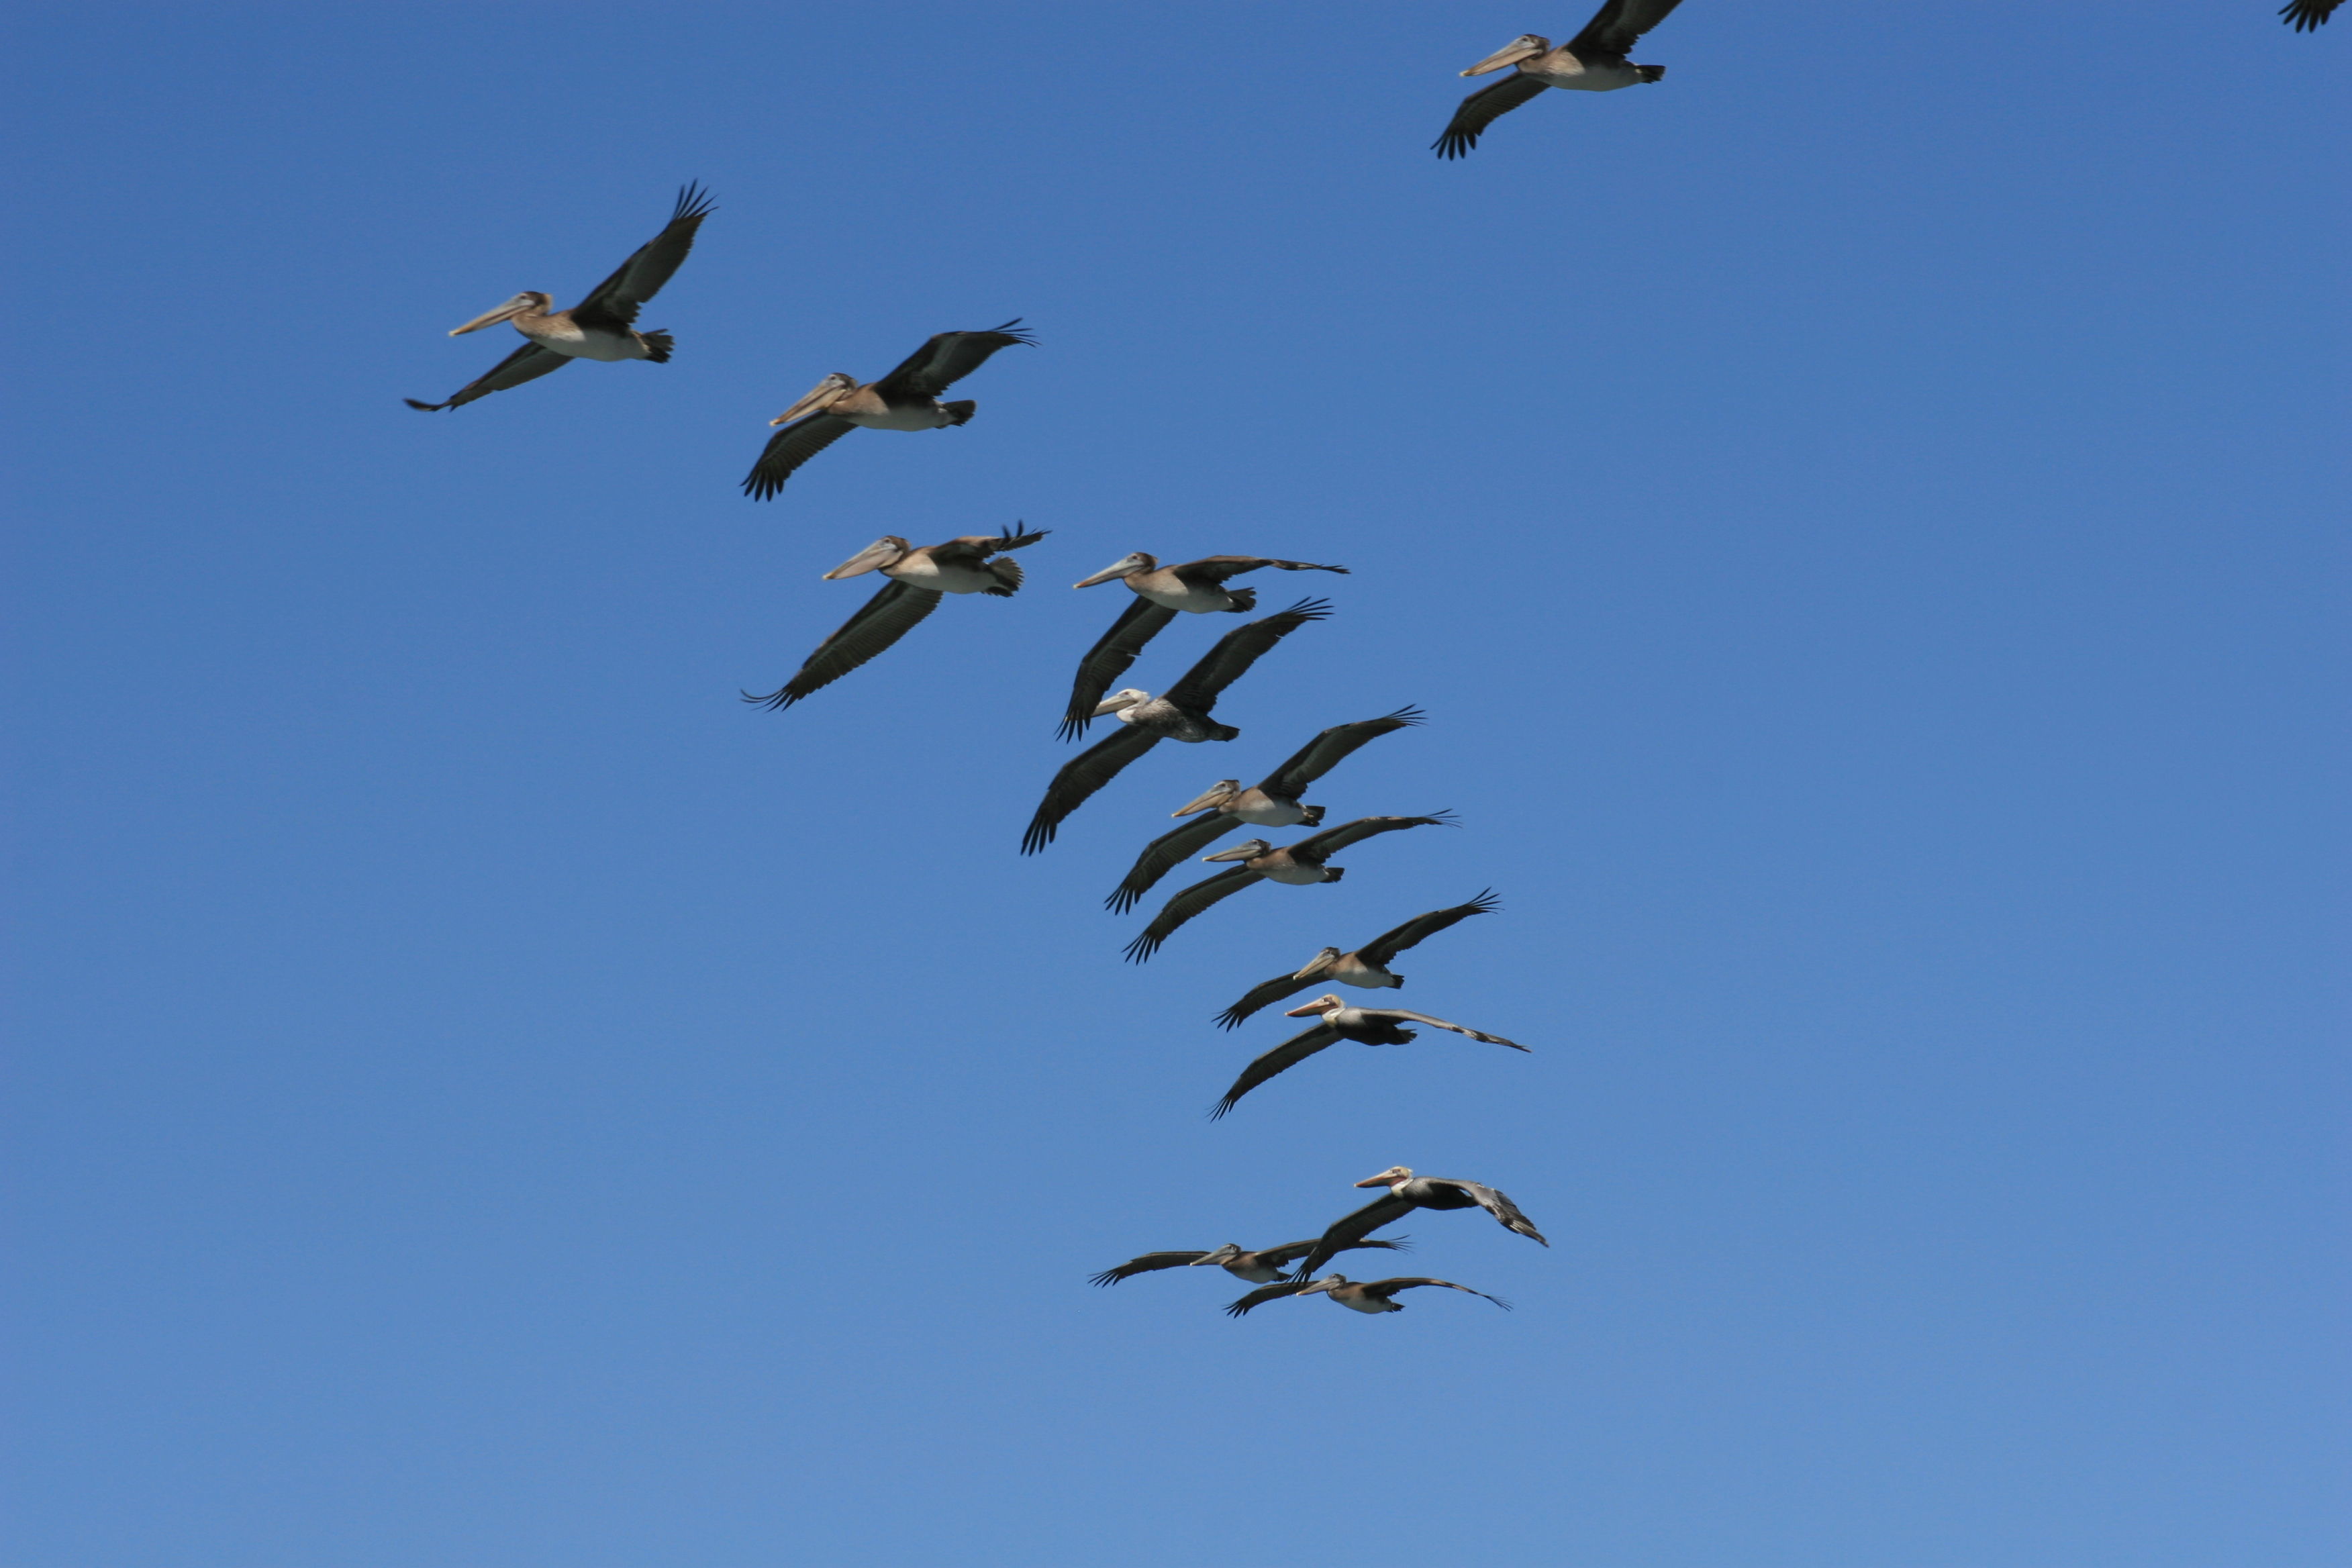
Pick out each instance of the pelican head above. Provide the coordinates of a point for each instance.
(1526, 47)
(1318, 965)
(886, 551)
(1215, 795)
(1327, 1003)
(819, 398)
(1123, 567)
(1395, 1175)
(1249, 851)
(1224, 1255)
(527, 301)
(1119, 702)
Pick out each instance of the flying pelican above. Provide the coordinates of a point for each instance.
(1359, 1295)
(1368, 966)
(1196, 586)
(1298, 864)
(2308, 16)
(917, 578)
(1407, 1192)
(1263, 1267)
(1180, 713)
(905, 399)
(1272, 802)
(1592, 61)
(1365, 1026)
(601, 327)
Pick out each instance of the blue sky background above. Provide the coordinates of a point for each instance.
(1864, 519)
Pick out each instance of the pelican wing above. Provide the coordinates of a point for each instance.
(1618, 26)
(1348, 1230)
(1291, 1251)
(614, 301)
(1331, 840)
(1263, 996)
(1236, 651)
(1399, 1015)
(1482, 109)
(885, 618)
(2304, 16)
(1217, 568)
(1107, 660)
(1389, 944)
(1324, 752)
(1185, 905)
(975, 549)
(947, 359)
(788, 449)
(527, 363)
(1288, 1054)
(1507, 1212)
(1079, 778)
(1164, 854)
(1265, 1293)
(1386, 1289)
(1146, 1264)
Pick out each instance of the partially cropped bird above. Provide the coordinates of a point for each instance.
(1407, 1192)
(1180, 713)
(1260, 1268)
(1337, 1022)
(1301, 864)
(1368, 966)
(1195, 587)
(602, 326)
(1358, 1295)
(918, 579)
(1592, 61)
(1272, 802)
(905, 399)
(2307, 15)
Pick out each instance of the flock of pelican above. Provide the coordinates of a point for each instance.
(602, 326)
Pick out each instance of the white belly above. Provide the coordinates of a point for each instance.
(928, 573)
(1367, 1304)
(1601, 78)
(1363, 975)
(566, 339)
(1297, 876)
(920, 417)
(1199, 599)
(1273, 814)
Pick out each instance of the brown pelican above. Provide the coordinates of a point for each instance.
(601, 327)
(1407, 1192)
(1299, 864)
(905, 399)
(1263, 1267)
(917, 578)
(1367, 966)
(1196, 586)
(1359, 1295)
(1365, 1026)
(1180, 713)
(1272, 802)
(1592, 61)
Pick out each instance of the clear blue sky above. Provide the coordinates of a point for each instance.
(1864, 518)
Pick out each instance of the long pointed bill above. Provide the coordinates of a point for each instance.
(1115, 570)
(506, 312)
(1319, 965)
(1526, 47)
(1217, 794)
(1119, 702)
(821, 397)
(1321, 1005)
(881, 552)
(1248, 851)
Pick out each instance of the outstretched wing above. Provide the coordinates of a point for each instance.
(1331, 840)
(1261, 996)
(1507, 1212)
(1324, 752)
(1079, 778)
(788, 449)
(2304, 16)
(1107, 660)
(1185, 905)
(1265, 1293)
(1350, 1229)
(527, 363)
(1618, 26)
(1217, 568)
(1288, 1054)
(946, 359)
(1146, 1264)
(1292, 1251)
(1389, 944)
(1482, 109)
(614, 301)
(1236, 651)
(1386, 1289)
(1400, 1014)
(1164, 854)
(885, 618)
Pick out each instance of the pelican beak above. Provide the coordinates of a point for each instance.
(1119, 702)
(1217, 794)
(1250, 850)
(1319, 965)
(881, 552)
(1526, 47)
(1116, 569)
(1312, 1009)
(506, 312)
(823, 395)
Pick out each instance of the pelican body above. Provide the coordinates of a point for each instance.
(1592, 61)
(1406, 1193)
(1366, 967)
(1356, 1295)
(1302, 864)
(1260, 1268)
(1338, 1021)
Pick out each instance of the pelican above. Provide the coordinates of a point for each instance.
(1298, 864)
(601, 327)
(1180, 713)
(1272, 802)
(1365, 1026)
(1592, 61)
(1195, 586)
(917, 578)
(1263, 1267)
(2308, 16)
(905, 399)
(1368, 966)
(1357, 1295)
(1407, 1192)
